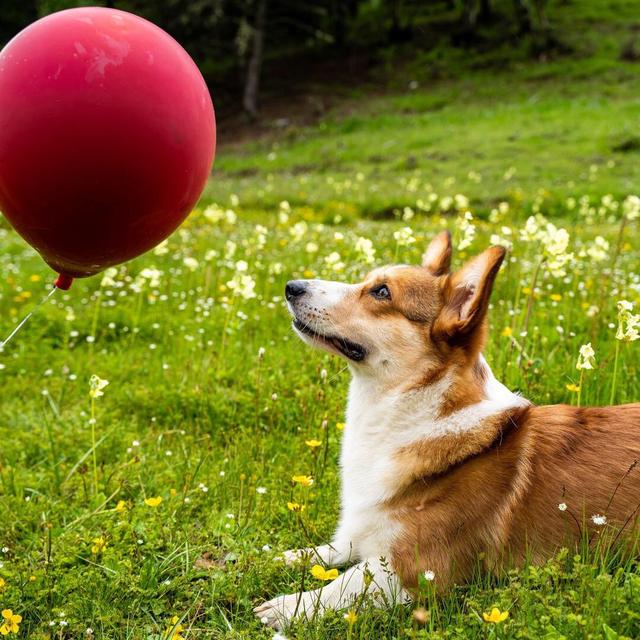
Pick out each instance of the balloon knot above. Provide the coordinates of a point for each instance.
(63, 282)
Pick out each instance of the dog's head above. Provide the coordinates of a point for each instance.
(401, 320)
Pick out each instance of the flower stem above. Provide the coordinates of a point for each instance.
(534, 282)
(615, 373)
(93, 446)
(580, 386)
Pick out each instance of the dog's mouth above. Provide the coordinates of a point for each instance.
(351, 350)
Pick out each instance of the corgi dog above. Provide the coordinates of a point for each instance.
(442, 466)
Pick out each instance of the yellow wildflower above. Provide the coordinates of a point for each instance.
(507, 332)
(174, 630)
(351, 616)
(495, 616)
(320, 573)
(99, 545)
(574, 388)
(313, 443)
(3, 583)
(121, 507)
(339, 426)
(153, 502)
(305, 481)
(21, 297)
(35, 278)
(10, 622)
(295, 506)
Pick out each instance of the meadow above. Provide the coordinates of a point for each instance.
(157, 506)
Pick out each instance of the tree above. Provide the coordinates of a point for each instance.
(254, 68)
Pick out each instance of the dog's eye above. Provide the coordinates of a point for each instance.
(381, 292)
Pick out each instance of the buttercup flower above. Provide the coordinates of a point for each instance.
(313, 443)
(351, 616)
(10, 622)
(495, 616)
(153, 502)
(320, 573)
(174, 630)
(98, 546)
(295, 506)
(305, 481)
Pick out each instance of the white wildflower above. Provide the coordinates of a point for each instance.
(586, 357)
(628, 322)
(365, 250)
(96, 386)
(404, 236)
(466, 230)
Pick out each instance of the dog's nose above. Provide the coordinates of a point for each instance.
(294, 289)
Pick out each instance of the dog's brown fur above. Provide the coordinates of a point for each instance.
(497, 491)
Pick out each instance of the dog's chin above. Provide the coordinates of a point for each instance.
(333, 344)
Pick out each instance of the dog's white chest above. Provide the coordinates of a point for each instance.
(366, 462)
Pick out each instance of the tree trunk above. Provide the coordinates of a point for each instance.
(485, 10)
(254, 68)
(523, 16)
(543, 21)
(469, 15)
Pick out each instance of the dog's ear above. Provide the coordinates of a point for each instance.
(466, 295)
(437, 257)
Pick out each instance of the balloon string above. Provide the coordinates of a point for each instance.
(27, 317)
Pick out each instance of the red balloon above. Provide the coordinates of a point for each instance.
(107, 136)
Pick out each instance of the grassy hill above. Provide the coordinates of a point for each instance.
(491, 123)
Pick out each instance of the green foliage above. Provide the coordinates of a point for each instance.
(194, 414)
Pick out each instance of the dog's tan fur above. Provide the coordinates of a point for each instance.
(496, 491)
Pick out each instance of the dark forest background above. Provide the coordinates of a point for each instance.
(248, 49)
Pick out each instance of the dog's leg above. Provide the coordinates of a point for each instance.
(335, 554)
(373, 578)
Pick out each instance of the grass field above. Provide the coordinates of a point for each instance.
(159, 509)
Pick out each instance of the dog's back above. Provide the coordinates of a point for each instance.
(584, 462)
(533, 489)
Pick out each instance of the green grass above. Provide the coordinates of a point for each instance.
(192, 414)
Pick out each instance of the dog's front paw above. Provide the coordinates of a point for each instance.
(279, 612)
